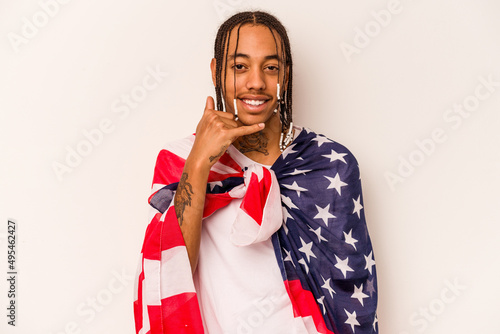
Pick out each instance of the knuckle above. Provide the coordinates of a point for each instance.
(211, 117)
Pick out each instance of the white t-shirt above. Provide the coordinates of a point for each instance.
(240, 289)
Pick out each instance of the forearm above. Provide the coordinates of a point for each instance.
(189, 202)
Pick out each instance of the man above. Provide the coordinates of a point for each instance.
(258, 224)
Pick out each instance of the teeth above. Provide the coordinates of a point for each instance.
(254, 102)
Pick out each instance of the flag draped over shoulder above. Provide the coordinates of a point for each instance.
(322, 248)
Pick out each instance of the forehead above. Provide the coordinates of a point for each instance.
(256, 41)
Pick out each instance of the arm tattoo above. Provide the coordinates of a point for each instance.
(254, 142)
(183, 197)
(213, 157)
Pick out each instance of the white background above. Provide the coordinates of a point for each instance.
(79, 234)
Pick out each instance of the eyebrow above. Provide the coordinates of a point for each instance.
(243, 55)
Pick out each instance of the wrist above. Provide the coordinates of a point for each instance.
(198, 166)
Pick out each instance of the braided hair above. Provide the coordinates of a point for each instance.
(221, 55)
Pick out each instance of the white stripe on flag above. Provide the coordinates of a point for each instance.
(150, 293)
(176, 271)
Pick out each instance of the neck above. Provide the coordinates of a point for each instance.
(262, 146)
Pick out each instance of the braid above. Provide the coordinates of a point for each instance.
(221, 54)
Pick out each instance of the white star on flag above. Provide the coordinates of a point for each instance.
(369, 286)
(323, 213)
(321, 140)
(336, 183)
(343, 266)
(288, 257)
(375, 322)
(336, 156)
(307, 249)
(299, 171)
(216, 183)
(320, 301)
(328, 286)
(288, 202)
(288, 151)
(349, 239)
(296, 187)
(357, 206)
(318, 233)
(286, 215)
(369, 262)
(302, 261)
(351, 320)
(358, 294)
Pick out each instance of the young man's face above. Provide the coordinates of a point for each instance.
(255, 67)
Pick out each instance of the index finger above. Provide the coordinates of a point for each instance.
(247, 129)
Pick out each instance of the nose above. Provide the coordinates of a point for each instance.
(255, 79)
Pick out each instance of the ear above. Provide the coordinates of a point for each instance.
(212, 68)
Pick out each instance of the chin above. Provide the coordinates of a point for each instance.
(247, 119)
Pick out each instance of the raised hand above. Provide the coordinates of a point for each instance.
(215, 132)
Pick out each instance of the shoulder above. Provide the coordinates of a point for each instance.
(324, 166)
(179, 147)
(170, 161)
(316, 146)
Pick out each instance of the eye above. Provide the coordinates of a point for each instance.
(273, 68)
(238, 67)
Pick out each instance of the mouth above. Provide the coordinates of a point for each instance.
(254, 104)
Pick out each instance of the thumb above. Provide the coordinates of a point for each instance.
(210, 103)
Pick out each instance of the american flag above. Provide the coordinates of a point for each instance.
(322, 248)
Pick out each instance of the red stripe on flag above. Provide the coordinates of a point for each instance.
(256, 196)
(214, 202)
(151, 245)
(181, 314)
(304, 305)
(171, 235)
(168, 168)
(226, 159)
(214, 176)
(155, 321)
(162, 235)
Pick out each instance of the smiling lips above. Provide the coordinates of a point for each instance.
(255, 104)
